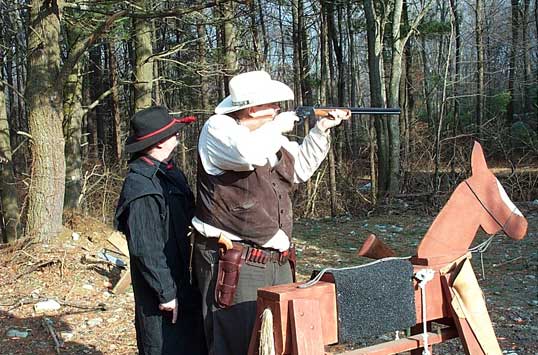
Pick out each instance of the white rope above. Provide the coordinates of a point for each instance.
(323, 271)
(481, 248)
(424, 276)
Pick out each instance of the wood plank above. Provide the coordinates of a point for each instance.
(123, 283)
(118, 240)
(405, 344)
(418, 329)
(468, 339)
(306, 328)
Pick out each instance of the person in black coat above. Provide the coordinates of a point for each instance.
(154, 212)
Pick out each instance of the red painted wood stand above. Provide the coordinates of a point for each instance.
(305, 319)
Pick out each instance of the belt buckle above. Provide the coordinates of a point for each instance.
(256, 257)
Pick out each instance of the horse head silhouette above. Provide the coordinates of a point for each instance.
(479, 201)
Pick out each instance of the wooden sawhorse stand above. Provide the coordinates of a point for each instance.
(305, 319)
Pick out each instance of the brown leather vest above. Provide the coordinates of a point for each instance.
(253, 205)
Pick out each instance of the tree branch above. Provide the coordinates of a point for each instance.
(173, 12)
(81, 46)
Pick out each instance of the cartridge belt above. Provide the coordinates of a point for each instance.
(257, 256)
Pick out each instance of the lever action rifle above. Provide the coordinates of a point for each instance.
(313, 112)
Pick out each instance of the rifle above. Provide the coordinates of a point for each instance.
(323, 111)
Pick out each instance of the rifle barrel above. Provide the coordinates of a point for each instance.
(374, 111)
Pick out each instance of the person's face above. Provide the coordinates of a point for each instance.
(164, 149)
(257, 116)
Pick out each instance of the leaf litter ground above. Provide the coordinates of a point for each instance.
(91, 320)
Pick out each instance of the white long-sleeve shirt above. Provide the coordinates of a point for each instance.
(225, 145)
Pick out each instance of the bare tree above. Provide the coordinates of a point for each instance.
(117, 148)
(143, 60)
(387, 129)
(8, 193)
(325, 94)
(512, 69)
(527, 70)
(480, 93)
(457, 69)
(229, 35)
(44, 97)
(73, 119)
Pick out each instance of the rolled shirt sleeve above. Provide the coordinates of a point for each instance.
(146, 247)
(310, 154)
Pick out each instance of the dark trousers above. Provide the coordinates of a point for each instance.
(156, 335)
(228, 330)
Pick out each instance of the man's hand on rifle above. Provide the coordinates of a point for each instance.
(171, 306)
(333, 119)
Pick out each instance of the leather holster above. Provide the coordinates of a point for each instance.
(292, 258)
(230, 262)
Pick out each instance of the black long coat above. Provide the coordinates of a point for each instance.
(154, 211)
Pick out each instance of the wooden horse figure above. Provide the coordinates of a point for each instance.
(445, 288)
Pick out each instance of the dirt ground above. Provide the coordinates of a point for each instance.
(92, 320)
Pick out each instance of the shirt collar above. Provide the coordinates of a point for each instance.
(148, 166)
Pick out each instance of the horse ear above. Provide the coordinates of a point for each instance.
(478, 161)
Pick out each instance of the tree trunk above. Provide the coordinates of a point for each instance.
(47, 184)
(457, 68)
(374, 36)
(73, 118)
(536, 24)
(527, 70)
(480, 94)
(283, 33)
(255, 35)
(353, 80)
(230, 43)
(306, 81)
(8, 191)
(94, 117)
(117, 144)
(324, 39)
(408, 108)
(202, 51)
(265, 38)
(335, 33)
(394, 99)
(143, 64)
(296, 35)
(440, 125)
(426, 89)
(512, 69)
(300, 70)
(398, 44)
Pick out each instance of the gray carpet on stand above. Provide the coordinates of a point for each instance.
(374, 300)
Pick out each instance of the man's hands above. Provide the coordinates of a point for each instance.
(334, 119)
(170, 306)
(285, 121)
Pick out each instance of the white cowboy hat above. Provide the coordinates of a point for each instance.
(252, 89)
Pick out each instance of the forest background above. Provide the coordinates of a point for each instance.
(74, 72)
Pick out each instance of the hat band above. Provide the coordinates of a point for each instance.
(187, 119)
(240, 103)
